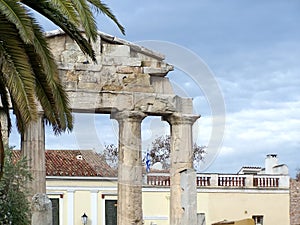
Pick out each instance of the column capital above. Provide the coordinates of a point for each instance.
(180, 118)
(136, 116)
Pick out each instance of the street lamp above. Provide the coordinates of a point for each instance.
(84, 219)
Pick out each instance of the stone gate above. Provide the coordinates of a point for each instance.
(128, 82)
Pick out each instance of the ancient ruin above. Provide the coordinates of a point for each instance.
(128, 82)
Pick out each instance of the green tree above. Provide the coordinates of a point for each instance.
(28, 73)
(14, 203)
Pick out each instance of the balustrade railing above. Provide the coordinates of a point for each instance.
(224, 180)
(231, 181)
(203, 181)
(265, 181)
(158, 180)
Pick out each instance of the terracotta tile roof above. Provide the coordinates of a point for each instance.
(75, 163)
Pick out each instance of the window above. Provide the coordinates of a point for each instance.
(111, 212)
(259, 220)
(55, 211)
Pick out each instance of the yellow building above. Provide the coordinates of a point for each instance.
(81, 182)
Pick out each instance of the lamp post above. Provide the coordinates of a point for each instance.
(84, 219)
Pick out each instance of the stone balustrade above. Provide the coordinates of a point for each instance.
(225, 180)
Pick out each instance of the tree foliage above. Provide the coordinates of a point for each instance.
(110, 154)
(28, 73)
(160, 151)
(298, 175)
(14, 203)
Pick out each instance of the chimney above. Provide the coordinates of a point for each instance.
(270, 162)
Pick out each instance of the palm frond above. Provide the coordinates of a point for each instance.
(17, 72)
(54, 103)
(19, 16)
(103, 8)
(65, 7)
(5, 100)
(42, 50)
(61, 103)
(21, 125)
(43, 91)
(87, 19)
(68, 27)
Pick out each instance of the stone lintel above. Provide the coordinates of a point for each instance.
(108, 101)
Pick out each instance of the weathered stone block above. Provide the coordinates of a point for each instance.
(71, 76)
(41, 207)
(161, 85)
(57, 45)
(188, 197)
(120, 61)
(116, 50)
(111, 100)
(88, 66)
(152, 104)
(184, 105)
(129, 69)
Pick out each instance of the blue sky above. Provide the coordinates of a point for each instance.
(252, 48)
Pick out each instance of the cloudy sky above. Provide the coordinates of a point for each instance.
(252, 50)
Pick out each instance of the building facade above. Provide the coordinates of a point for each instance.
(81, 182)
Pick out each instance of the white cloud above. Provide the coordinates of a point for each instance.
(254, 54)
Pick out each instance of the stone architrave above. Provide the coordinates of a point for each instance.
(182, 165)
(129, 168)
(33, 148)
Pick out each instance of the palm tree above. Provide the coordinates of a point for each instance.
(28, 73)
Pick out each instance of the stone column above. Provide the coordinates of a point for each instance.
(3, 138)
(183, 195)
(33, 148)
(4, 127)
(129, 168)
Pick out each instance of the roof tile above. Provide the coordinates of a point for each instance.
(67, 163)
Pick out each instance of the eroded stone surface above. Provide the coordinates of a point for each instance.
(41, 208)
(121, 67)
(130, 167)
(128, 81)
